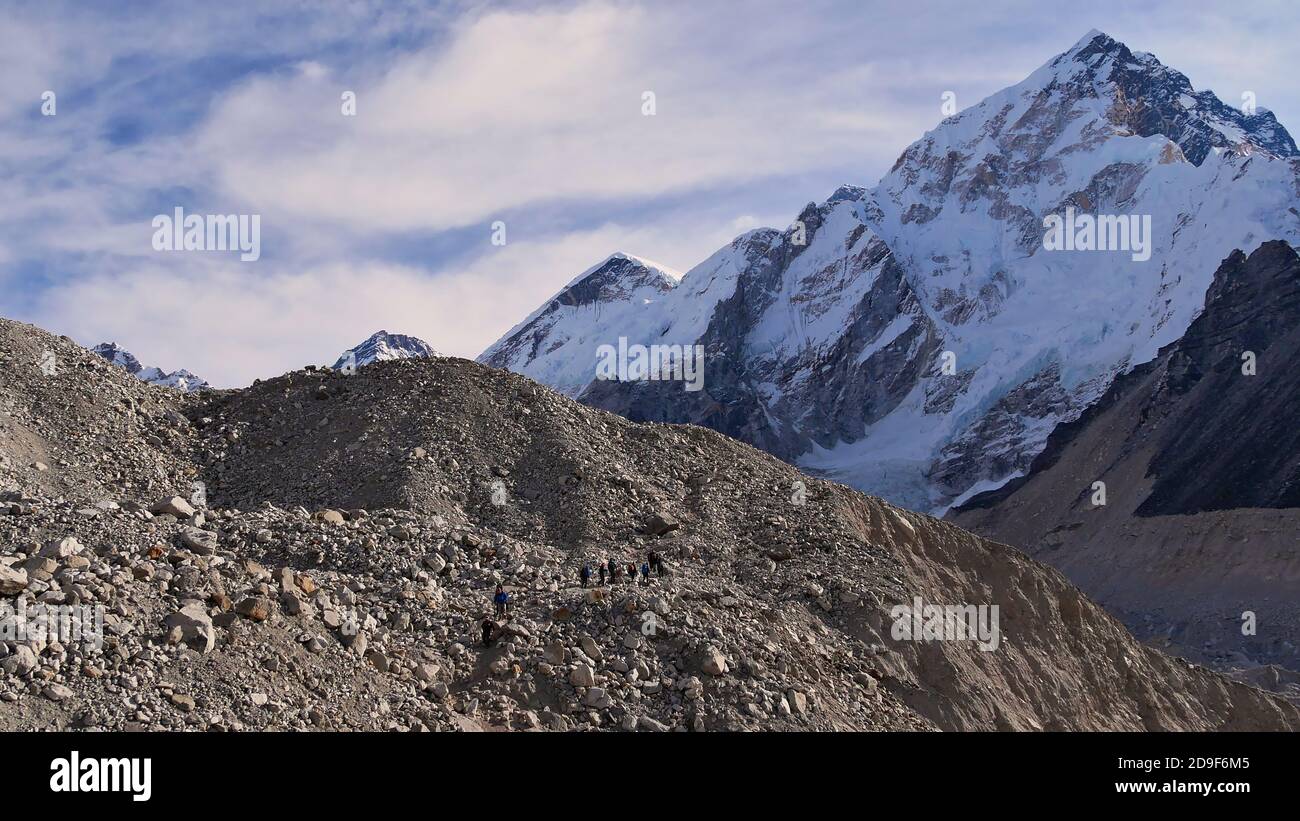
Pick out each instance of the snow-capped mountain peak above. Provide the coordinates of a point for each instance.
(556, 344)
(614, 279)
(118, 356)
(920, 339)
(180, 379)
(382, 346)
(1151, 98)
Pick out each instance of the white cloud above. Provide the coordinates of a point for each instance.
(522, 109)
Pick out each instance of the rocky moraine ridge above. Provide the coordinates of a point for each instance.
(320, 551)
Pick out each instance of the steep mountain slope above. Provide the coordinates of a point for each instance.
(776, 612)
(832, 355)
(809, 335)
(1198, 453)
(557, 343)
(181, 379)
(382, 346)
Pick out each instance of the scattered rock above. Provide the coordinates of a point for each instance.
(57, 692)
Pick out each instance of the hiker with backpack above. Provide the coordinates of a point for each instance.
(645, 573)
(502, 601)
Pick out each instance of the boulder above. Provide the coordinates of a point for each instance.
(202, 542)
(582, 676)
(713, 662)
(61, 548)
(333, 517)
(798, 702)
(590, 647)
(13, 580)
(173, 505)
(555, 652)
(57, 692)
(195, 626)
(649, 724)
(20, 662)
(661, 523)
(435, 562)
(255, 608)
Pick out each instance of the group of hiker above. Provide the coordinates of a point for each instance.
(613, 571)
(608, 570)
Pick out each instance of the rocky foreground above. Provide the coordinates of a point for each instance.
(319, 551)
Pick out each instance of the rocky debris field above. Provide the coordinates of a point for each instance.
(320, 551)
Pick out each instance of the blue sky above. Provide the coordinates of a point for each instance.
(469, 113)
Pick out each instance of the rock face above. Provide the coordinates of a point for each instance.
(292, 621)
(1229, 380)
(917, 339)
(1199, 457)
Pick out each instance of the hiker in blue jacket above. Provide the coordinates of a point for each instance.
(645, 573)
(585, 574)
(502, 601)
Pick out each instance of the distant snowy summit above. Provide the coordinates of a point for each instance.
(181, 379)
(383, 346)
